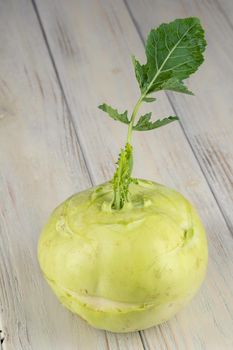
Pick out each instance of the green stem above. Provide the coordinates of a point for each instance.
(135, 111)
(122, 176)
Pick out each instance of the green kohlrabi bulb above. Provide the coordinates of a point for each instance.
(129, 269)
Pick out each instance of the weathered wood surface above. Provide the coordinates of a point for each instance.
(59, 60)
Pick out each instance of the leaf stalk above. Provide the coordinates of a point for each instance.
(132, 119)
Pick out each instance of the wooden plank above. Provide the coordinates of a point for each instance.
(41, 164)
(91, 43)
(206, 119)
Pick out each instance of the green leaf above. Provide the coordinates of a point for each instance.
(149, 99)
(174, 84)
(174, 51)
(139, 72)
(144, 123)
(114, 114)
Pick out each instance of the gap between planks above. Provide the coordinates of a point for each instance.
(2, 338)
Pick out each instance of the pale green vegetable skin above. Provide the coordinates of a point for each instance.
(129, 269)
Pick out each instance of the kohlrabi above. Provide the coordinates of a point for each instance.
(128, 254)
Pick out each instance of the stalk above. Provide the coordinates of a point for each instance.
(132, 119)
(122, 176)
(174, 51)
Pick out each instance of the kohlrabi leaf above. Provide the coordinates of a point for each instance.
(144, 123)
(174, 51)
(139, 72)
(149, 99)
(114, 114)
(174, 84)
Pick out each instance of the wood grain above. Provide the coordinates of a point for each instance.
(98, 69)
(41, 164)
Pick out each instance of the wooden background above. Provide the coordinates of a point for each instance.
(58, 61)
